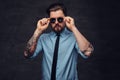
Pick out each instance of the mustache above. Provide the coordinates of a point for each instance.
(57, 25)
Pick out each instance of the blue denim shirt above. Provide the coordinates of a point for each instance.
(67, 55)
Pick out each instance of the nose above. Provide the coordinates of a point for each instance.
(56, 21)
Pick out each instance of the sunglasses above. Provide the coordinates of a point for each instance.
(59, 19)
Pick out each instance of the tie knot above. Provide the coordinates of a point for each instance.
(58, 34)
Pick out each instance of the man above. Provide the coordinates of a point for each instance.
(70, 43)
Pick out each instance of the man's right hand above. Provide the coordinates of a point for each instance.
(42, 24)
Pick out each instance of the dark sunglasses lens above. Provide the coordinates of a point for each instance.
(52, 20)
(60, 20)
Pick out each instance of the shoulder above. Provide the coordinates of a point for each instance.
(70, 33)
(46, 35)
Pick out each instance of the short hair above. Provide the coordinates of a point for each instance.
(55, 7)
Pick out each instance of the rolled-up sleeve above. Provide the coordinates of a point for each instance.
(38, 48)
(79, 51)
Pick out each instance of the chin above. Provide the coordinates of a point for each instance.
(58, 30)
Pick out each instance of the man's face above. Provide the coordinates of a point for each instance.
(57, 20)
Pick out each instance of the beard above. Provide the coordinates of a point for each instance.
(58, 28)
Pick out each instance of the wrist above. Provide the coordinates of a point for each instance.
(37, 33)
(73, 29)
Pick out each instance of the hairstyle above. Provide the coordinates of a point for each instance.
(55, 7)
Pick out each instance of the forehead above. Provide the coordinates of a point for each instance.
(55, 14)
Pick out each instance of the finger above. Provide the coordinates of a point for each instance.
(44, 21)
(39, 22)
(48, 19)
(64, 19)
(68, 20)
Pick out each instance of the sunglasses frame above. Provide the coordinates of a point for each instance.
(59, 19)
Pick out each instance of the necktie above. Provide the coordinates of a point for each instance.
(53, 73)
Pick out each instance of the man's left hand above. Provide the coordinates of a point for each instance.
(69, 22)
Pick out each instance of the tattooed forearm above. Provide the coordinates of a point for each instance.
(31, 46)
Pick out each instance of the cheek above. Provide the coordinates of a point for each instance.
(52, 25)
(63, 24)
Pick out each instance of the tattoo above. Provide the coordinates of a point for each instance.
(30, 48)
(90, 49)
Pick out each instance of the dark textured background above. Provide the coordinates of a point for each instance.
(97, 20)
